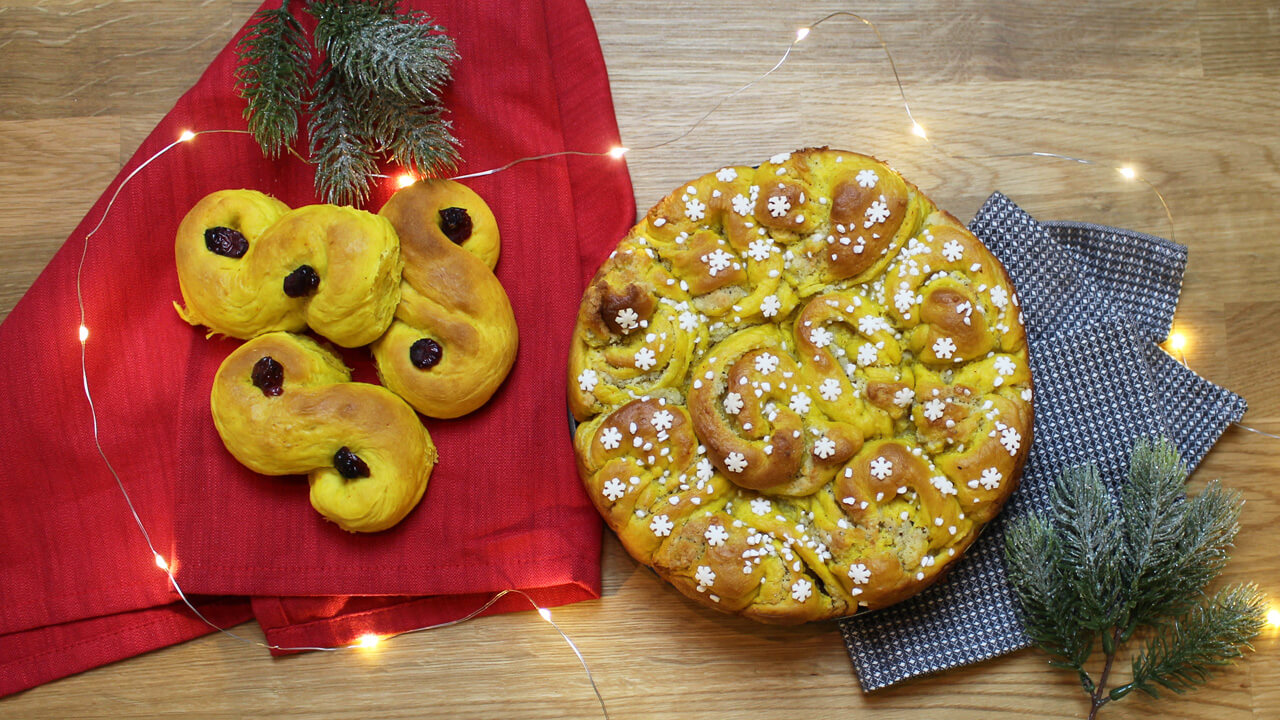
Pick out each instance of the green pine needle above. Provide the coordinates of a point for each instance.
(271, 77)
(1098, 568)
(1184, 653)
(345, 159)
(376, 96)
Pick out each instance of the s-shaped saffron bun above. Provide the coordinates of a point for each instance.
(285, 405)
(249, 265)
(802, 388)
(454, 337)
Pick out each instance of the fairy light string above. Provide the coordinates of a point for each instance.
(1176, 341)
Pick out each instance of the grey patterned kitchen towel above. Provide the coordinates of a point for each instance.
(1096, 301)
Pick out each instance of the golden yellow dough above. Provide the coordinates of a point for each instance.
(316, 423)
(342, 266)
(802, 388)
(454, 337)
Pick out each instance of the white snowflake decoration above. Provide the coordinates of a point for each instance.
(587, 380)
(661, 526)
(904, 299)
(800, 403)
(704, 576)
(727, 175)
(881, 468)
(627, 319)
(733, 403)
(867, 354)
(610, 439)
(614, 489)
(778, 205)
(1011, 440)
(780, 158)
(859, 574)
(760, 506)
(934, 409)
(877, 213)
(821, 337)
(904, 397)
(830, 389)
(717, 261)
(662, 420)
(1005, 365)
(766, 363)
(824, 447)
(944, 347)
(645, 359)
(770, 306)
(705, 469)
(871, 324)
(867, 178)
(688, 321)
(999, 297)
(760, 250)
(801, 590)
(944, 486)
(743, 205)
(716, 535)
(695, 209)
(736, 462)
(990, 479)
(953, 251)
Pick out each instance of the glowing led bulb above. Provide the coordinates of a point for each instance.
(1127, 171)
(186, 136)
(1273, 618)
(404, 180)
(545, 613)
(618, 152)
(1177, 341)
(801, 34)
(369, 640)
(84, 333)
(160, 563)
(918, 130)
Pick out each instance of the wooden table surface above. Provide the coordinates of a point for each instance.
(1188, 92)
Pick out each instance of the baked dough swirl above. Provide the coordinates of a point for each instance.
(802, 388)
(285, 405)
(249, 265)
(454, 336)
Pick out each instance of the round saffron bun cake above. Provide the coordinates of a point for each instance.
(802, 389)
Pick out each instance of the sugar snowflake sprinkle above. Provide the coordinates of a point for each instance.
(661, 526)
(859, 574)
(610, 439)
(627, 319)
(991, 478)
(736, 462)
(881, 468)
(733, 403)
(770, 306)
(614, 489)
(944, 347)
(778, 205)
(587, 380)
(867, 178)
(645, 359)
(716, 535)
(766, 363)
(830, 389)
(824, 447)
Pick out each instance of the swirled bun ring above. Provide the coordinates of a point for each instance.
(803, 388)
(453, 339)
(249, 265)
(284, 405)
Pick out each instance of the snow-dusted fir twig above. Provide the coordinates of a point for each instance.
(1094, 572)
(375, 94)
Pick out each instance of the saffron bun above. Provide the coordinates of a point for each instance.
(248, 265)
(283, 405)
(802, 389)
(454, 337)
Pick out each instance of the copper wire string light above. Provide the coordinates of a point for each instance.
(1177, 339)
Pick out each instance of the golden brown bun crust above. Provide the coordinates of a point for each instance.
(353, 255)
(317, 413)
(450, 297)
(803, 389)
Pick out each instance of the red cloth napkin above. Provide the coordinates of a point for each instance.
(504, 508)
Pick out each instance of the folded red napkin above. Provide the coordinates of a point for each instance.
(504, 508)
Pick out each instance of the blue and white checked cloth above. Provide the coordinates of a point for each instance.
(1096, 300)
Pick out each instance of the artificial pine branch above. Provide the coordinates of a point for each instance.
(1098, 569)
(271, 77)
(376, 94)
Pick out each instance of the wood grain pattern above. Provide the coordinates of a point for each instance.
(1185, 90)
